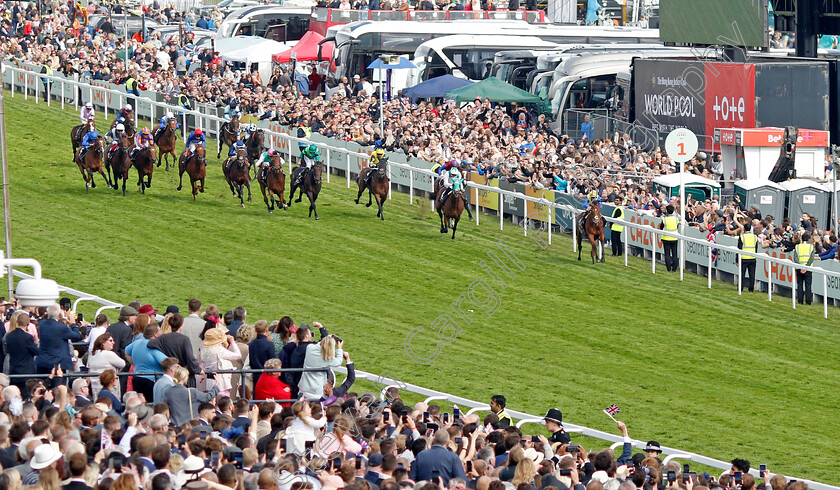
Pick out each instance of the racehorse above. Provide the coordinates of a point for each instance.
(311, 186)
(228, 135)
(450, 211)
(76, 135)
(593, 227)
(144, 162)
(91, 163)
(275, 182)
(166, 143)
(237, 173)
(118, 161)
(378, 185)
(254, 147)
(196, 167)
(129, 127)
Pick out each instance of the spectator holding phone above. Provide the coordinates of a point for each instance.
(438, 461)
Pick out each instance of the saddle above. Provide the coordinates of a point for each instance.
(112, 148)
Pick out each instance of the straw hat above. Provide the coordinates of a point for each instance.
(213, 336)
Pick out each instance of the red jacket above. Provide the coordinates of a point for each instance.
(271, 387)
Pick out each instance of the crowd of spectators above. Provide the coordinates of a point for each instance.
(177, 424)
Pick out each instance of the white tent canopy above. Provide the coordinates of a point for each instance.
(258, 52)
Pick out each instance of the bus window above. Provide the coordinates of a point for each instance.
(276, 33)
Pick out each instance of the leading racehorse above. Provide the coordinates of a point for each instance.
(144, 162)
(237, 174)
(90, 162)
(592, 224)
(228, 135)
(377, 186)
(166, 143)
(196, 168)
(118, 161)
(311, 186)
(451, 209)
(275, 182)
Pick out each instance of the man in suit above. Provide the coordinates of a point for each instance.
(20, 346)
(260, 349)
(122, 334)
(239, 315)
(438, 459)
(177, 345)
(193, 325)
(54, 349)
(168, 366)
(77, 464)
(81, 389)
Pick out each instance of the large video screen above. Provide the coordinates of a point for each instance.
(739, 23)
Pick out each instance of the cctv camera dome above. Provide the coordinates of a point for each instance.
(37, 292)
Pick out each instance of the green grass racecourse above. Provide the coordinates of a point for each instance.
(698, 369)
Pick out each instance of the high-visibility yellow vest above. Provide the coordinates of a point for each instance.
(749, 243)
(130, 84)
(619, 228)
(803, 250)
(671, 222)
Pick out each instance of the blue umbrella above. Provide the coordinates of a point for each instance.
(379, 65)
(435, 87)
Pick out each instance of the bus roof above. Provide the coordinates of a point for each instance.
(490, 27)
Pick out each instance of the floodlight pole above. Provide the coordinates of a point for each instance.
(7, 212)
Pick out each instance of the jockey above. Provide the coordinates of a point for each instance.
(87, 114)
(113, 136)
(239, 145)
(264, 161)
(309, 156)
(232, 111)
(377, 157)
(195, 138)
(164, 121)
(89, 139)
(143, 139)
(592, 201)
(451, 180)
(248, 131)
(126, 113)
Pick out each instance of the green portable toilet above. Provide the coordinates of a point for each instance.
(806, 196)
(767, 196)
(700, 188)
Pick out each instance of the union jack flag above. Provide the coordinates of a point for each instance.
(612, 410)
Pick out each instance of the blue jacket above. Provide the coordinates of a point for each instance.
(22, 350)
(239, 145)
(54, 348)
(233, 328)
(192, 138)
(90, 138)
(829, 254)
(439, 459)
(260, 350)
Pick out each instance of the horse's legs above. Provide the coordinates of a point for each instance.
(361, 189)
(579, 243)
(379, 202)
(124, 179)
(160, 155)
(442, 225)
(181, 180)
(265, 198)
(369, 199)
(312, 208)
(106, 177)
(92, 182)
(291, 194)
(202, 186)
(149, 180)
(239, 190)
(455, 225)
(248, 185)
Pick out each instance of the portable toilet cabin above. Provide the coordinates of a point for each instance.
(834, 196)
(806, 196)
(767, 196)
(700, 188)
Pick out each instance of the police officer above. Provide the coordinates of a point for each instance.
(669, 223)
(131, 87)
(47, 70)
(748, 242)
(615, 233)
(184, 101)
(554, 423)
(803, 254)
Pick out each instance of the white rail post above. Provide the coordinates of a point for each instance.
(184, 125)
(626, 232)
(793, 288)
(290, 155)
(501, 210)
(47, 90)
(574, 232)
(825, 295)
(13, 83)
(390, 183)
(348, 169)
(76, 91)
(90, 92)
(36, 92)
(769, 280)
(525, 213)
(328, 164)
(709, 270)
(62, 91)
(653, 255)
(682, 257)
(476, 206)
(25, 85)
(410, 185)
(550, 220)
(740, 276)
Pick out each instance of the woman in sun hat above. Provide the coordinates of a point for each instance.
(218, 352)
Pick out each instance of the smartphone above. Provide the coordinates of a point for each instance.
(203, 434)
(446, 417)
(432, 427)
(686, 468)
(386, 416)
(566, 472)
(336, 463)
(359, 463)
(425, 416)
(309, 444)
(237, 460)
(283, 445)
(737, 477)
(79, 318)
(572, 448)
(405, 416)
(182, 439)
(469, 466)
(435, 475)
(116, 465)
(456, 412)
(534, 439)
(473, 426)
(686, 477)
(762, 469)
(214, 459)
(459, 441)
(672, 476)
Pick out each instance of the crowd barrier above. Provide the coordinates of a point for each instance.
(529, 207)
(382, 383)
